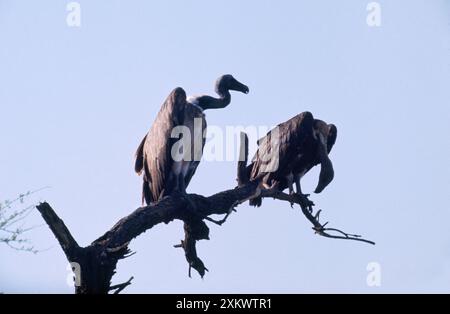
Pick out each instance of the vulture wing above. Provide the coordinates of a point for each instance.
(153, 156)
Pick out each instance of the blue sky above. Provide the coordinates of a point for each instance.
(75, 103)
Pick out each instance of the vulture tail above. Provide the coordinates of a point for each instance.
(139, 164)
(146, 193)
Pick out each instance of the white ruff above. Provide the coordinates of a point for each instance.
(193, 100)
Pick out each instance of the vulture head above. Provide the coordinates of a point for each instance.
(227, 82)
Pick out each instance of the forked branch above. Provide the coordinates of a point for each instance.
(98, 261)
(307, 210)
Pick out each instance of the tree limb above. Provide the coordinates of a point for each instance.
(307, 210)
(59, 229)
(98, 261)
(121, 286)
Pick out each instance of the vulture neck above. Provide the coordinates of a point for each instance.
(208, 102)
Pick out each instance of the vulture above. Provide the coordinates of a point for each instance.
(289, 151)
(168, 163)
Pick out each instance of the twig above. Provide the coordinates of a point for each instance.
(121, 286)
(307, 210)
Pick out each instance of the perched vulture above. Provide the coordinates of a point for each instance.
(168, 166)
(289, 151)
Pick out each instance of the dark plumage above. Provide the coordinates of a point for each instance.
(162, 173)
(303, 142)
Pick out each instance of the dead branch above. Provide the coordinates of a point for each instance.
(59, 229)
(98, 261)
(307, 210)
(121, 286)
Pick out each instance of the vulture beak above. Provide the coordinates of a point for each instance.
(238, 86)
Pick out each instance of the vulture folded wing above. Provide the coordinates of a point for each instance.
(157, 150)
(280, 146)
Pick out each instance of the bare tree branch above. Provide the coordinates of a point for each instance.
(121, 286)
(98, 261)
(307, 210)
(59, 229)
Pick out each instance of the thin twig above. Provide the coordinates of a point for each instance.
(307, 209)
(121, 286)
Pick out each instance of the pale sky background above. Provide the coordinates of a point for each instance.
(75, 103)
